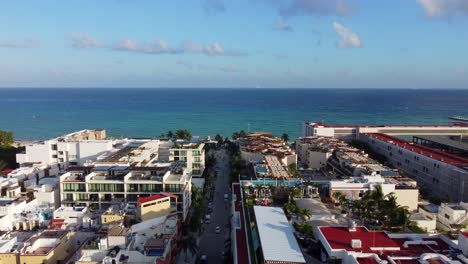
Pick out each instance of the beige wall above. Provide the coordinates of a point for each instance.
(407, 197)
(108, 218)
(154, 209)
(58, 253)
(7, 258)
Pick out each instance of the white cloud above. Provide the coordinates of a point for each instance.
(440, 8)
(23, 44)
(159, 46)
(348, 39)
(281, 26)
(156, 47)
(213, 49)
(83, 41)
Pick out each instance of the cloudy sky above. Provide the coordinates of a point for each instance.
(235, 43)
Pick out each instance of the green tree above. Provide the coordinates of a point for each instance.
(6, 138)
(162, 135)
(242, 134)
(183, 134)
(189, 244)
(170, 134)
(235, 135)
(285, 137)
(219, 138)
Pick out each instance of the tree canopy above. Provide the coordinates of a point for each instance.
(183, 134)
(6, 138)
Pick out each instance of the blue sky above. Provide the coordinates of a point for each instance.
(241, 43)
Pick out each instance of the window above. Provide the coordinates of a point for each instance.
(54, 156)
(60, 152)
(195, 153)
(197, 159)
(54, 146)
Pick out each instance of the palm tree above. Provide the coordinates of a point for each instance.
(170, 134)
(285, 137)
(189, 244)
(235, 135)
(339, 197)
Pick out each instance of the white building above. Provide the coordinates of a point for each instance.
(47, 192)
(152, 241)
(192, 153)
(452, 216)
(403, 188)
(444, 174)
(72, 149)
(277, 241)
(103, 186)
(31, 172)
(357, 245)
(350, 132)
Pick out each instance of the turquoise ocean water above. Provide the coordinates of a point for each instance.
(44, 113)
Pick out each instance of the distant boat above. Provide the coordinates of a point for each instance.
(459, 118)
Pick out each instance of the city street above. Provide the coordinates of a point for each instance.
(211, 243)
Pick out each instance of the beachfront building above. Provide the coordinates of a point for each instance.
(356, 244)
(404, 189)
(102, 186)
(338, 156)
(72, 149)
(192, 153)
(446, 175)
(351, 132)
(255, 146)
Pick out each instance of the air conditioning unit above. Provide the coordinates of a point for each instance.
(356, 243)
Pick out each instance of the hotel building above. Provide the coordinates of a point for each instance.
(101, 186)
(446, 175)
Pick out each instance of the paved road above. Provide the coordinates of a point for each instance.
(212, 244)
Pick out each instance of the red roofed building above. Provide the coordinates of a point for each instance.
(358, 245)
(444, 174)
(239, 242)
(156, 205)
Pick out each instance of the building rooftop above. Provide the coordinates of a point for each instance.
(277, 239)
(277, 168)
(261, 142)
(384, 246)
(422, 150)
(150, 198)
(241, 237)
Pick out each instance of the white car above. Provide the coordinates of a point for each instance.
(217, 230)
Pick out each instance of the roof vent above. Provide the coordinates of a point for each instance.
(356, 243)
(352, 226)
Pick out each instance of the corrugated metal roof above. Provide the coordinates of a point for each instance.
(276, 236)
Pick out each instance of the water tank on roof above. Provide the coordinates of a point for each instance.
(356, 243)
